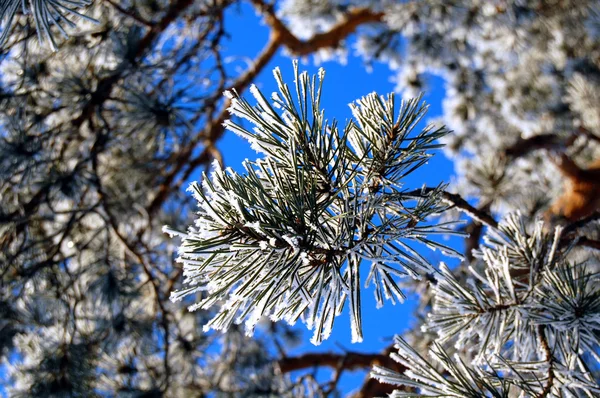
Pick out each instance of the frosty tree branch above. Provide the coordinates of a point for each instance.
(299, 256)
(279, 37)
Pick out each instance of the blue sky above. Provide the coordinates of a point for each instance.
(343, 84)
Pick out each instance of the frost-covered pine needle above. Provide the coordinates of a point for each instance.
(46, 14)
(295, 235)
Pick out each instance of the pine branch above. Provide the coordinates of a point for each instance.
(346, 361)
(549, 141)
(524, 146)
(456, 200)
(105, 86)
(354, 18)
(549, 359)
(590, 135)
(574, 226)
(300, 221)
(133, 254)
(46, 14)
(474, 230)
(212, 132)
(280, 36)
(581, 188)
(349, 361)
(587, 242)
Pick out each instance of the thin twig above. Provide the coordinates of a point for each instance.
(574, 226)
(590, 243)
(130, 13)
(548, 358)
(457, 201)
(348, 361)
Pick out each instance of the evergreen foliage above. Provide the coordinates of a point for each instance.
(289, 237)
(46, 13)
(101, 128)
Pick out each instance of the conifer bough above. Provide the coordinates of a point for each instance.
(46, 13)
(324, 209)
